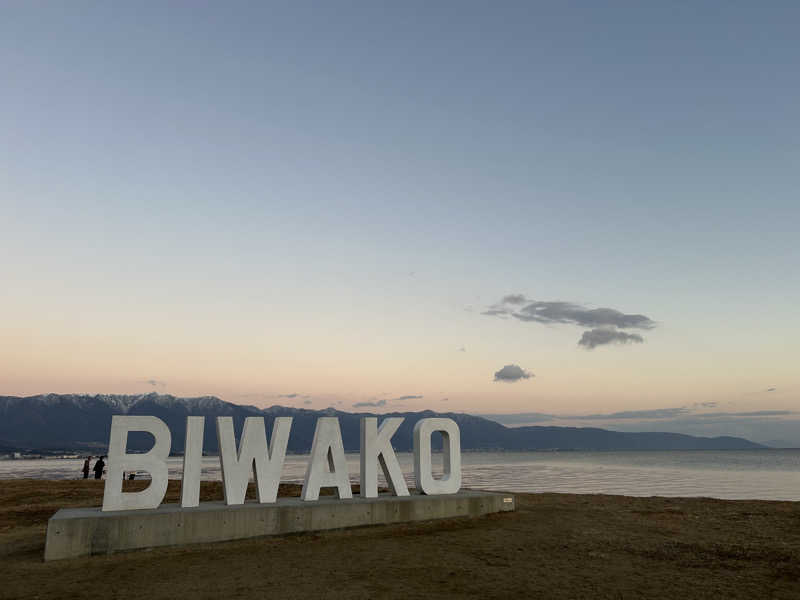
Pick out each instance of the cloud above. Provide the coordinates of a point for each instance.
(772, 389)
(384, 401)
(567, 312)
(295, 396)
(601, 337)
(511, 374)
(519, 418)
(604, 322)
(755, 413)
(656, 413)
(376, 404)
(675, 413)
(445, 400)
(307, 402)
(513, 299)
(155, 382)
(462, 349)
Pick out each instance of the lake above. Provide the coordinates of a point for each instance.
(732, 474)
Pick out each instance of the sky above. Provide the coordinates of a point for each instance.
(566, 208)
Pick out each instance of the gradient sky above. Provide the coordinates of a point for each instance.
(320, 200)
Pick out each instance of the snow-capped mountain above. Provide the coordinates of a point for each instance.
(74, 421)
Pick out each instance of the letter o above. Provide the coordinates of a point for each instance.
(450, 482)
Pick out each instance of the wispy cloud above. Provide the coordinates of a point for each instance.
(674, 413)
(511, 374)
(656, 413)
(601, 337)
(513, 299)
(156, 383)
(568, 313)
(605, 323)
(660, 419)
(519, 418)
(381, 402)
(294, 396)
(754, 413)
(376, 404)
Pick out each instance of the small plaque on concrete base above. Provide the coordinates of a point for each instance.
(74, 532)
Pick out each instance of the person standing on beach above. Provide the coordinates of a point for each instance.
(98, 468)
(86, 467)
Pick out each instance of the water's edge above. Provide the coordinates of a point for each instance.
(729, 474)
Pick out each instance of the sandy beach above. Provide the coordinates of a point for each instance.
(553, 546)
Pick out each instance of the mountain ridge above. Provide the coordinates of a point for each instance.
(82, 422)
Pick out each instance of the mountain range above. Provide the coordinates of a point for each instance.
(71, 422)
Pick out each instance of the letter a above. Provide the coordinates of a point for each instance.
(327, 466)
(376, 447)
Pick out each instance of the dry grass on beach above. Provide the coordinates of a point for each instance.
(553, 546)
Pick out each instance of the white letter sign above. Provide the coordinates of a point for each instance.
(327, 466)
(192, 462)
(119, 461)
(236, 467)
(450, 482)
(376, 447)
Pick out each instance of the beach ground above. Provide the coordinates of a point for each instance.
(553, 546)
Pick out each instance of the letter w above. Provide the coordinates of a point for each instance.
(253, 453)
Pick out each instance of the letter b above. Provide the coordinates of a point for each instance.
(154, 462)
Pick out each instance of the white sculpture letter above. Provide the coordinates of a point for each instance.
(236, 467)
(450, 482)
(153, 461)
(327, 466)
(376, 446)
(192, 462)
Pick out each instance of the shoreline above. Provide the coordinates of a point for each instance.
(43, 455)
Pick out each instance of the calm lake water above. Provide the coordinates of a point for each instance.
(763, 474)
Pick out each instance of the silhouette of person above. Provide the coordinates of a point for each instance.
(86, 467)
(98, 468)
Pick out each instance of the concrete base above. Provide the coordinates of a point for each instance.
(74, 532)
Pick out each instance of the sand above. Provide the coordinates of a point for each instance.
(553, 546)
